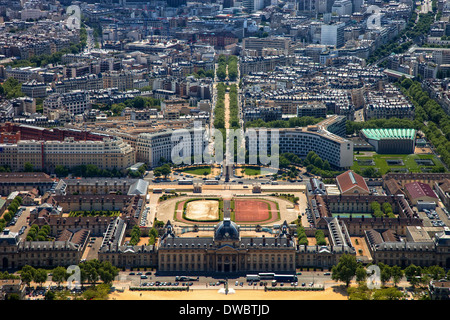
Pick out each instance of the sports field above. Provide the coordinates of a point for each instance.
(253, 210)
(203, 210)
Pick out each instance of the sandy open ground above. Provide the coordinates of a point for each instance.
(331, 293)
(202, 210)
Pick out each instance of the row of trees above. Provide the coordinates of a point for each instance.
(87, 171)
(287, 161)
(152, 236)
(11, 211)
(348, 269)
(94, 213)
(90, 271)
(38, 234)
(138, 173)
(232, 63)
(221, 71)
(29, 274)
(7, 276)
(430, 117)
(219, 114)
(302, 239)
(394, 123)
(382, 210)
(219, 108)
(234, 108)
(290, 123)
(320, 238)
(402, 42)
(135, 235)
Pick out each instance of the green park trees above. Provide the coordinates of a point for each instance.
(135, 235)
(138, 102)
(382, 210)
(93, 270)
(302, 239)
(430, 117)
(232, 63)
(320, 238)
(291, 123)
(152, 236)
(164, 170)
(12, 209)
(29, 274)
(11, 88)
(315, 165)
(345, 270)
(233, 107)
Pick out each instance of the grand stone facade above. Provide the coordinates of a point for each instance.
(227, 252)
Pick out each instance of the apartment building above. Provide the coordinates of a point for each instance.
(300, 141)
(258, 44)
(87, 82)
(249, 65)
(75, 102)
(23, 74)
(333, 34)
(312, 110)
(34, 89)
(122, 80)
(46, 155)
(151, 148)
(264, 113)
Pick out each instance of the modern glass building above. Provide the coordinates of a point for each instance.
(391, 141)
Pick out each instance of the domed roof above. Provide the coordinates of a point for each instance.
(226, 230)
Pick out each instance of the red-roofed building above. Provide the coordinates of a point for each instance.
(350, 183)
(419, 191)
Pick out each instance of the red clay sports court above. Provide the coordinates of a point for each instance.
(250, 210)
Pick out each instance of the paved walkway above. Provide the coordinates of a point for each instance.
(227, 208)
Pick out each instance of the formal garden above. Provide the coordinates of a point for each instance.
(376, 165)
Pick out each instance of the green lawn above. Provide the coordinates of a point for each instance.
(197, 170)
(408, 162)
